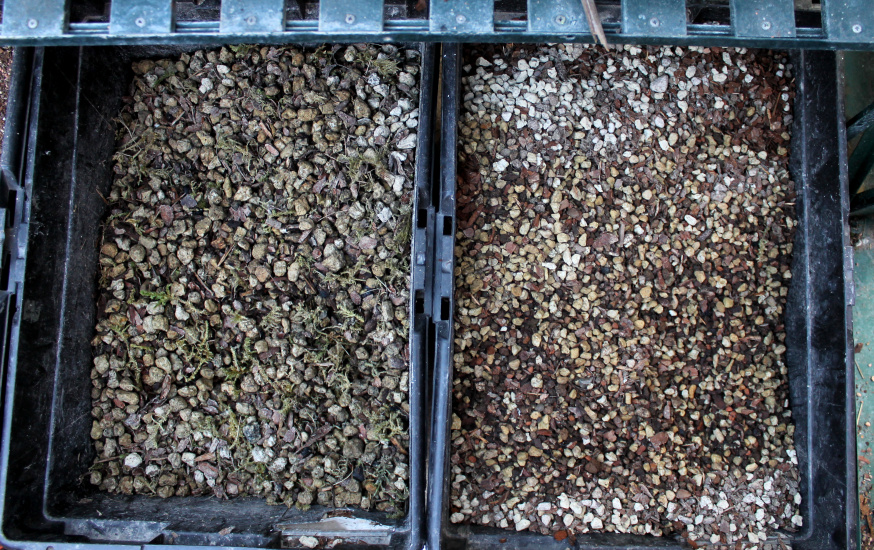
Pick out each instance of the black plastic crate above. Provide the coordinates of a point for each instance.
(56, 163)
(818, 326)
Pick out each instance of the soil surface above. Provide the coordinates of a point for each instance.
(5, 76)
(625, 225)
(254, 285)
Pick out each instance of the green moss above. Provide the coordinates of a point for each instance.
(384, 423)
(403, 232)
(242, 365)
(385, 67)
(163, 297)
(196, 350)
(241, 50)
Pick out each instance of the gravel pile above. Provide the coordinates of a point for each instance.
(254, 278)
(625, 224)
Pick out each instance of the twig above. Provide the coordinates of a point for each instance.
(225, 256)
(594, 21)
(858, 416)
(181, 114)
(320, 433)
(400, 448)
(330, 487)
(206, 288)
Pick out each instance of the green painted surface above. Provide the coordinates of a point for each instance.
(859, 93)
(863, 333)
(858, 70)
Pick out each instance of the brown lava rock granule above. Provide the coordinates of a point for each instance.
(625, 224)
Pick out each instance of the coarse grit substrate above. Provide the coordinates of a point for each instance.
(254, 284)
(625, 224)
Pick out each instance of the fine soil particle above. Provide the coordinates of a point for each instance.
(254, 278)
(625, 225)
(5, 76)
(866, 515)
